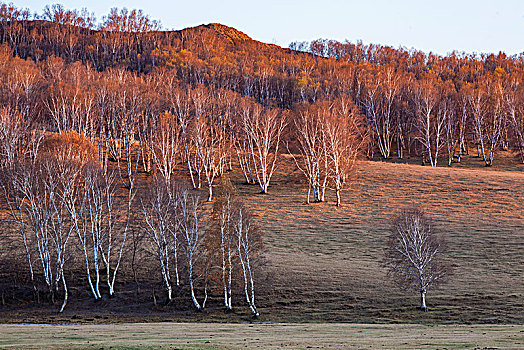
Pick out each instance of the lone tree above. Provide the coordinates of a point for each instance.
(414, 253)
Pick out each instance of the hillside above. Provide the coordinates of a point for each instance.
(133, 160)
(337, 276)
(408, 98)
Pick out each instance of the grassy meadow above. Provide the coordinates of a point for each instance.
(265, 336)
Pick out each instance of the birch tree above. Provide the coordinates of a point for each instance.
(158, 211)
(209, 142)
(101, 201)
(182, 106)
(381, 92)
(329, 136)
(94, 219)
(234, 243)
(463, 124)
(188, 220)
(414, 253)
(115, 238)
(313, 160)
(125, 106)
(201, 106)
(45, 187)
(19, 139)
(242, 145)
(20, 142)
(223, 241)
(9, 184)
(484, 102)
(248, 244)
(263, 129)
(165, 144)
(343, 139)
(61, 171)
(452, 123)
(514, 107)
(19, 145)
(430, 119)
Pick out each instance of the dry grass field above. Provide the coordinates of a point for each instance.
(263, 336)
(324, 264)
(327, 261)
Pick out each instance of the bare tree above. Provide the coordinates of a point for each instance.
(158, 211)
(181, 104)
(124, 108)
(94, 219)
(452, 124)
(19, 145)
(46, 188)
(209, 145)
(381, 92)
(344, 140)
(329, 136)
(19, 139)
(513, 97)
(116, 238)
(414, 253)
(191, 235)
(311, 137)
(263, 129)
(248, 244)
(12, 130)
(165, 144)
(234, 243)
(9, 183)
(60, 169)
(463, 124)
(484, 102)
(241, 144)
(223, 237)
(195, 132)
(429, 118)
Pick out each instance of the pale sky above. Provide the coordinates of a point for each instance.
(440, 26)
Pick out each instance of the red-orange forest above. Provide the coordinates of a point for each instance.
(133, 159)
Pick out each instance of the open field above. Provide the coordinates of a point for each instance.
(329, 260)
(266, 336)
(324, 264)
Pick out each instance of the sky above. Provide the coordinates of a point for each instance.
(439, 26)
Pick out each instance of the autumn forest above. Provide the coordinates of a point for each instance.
(134, 160)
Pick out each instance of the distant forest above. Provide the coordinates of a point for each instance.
(412, 102)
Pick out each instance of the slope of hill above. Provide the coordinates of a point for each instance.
(325, 264)
(145, 107)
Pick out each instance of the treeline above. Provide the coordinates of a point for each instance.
(172, 122)
(441, 102)
(414, 103)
